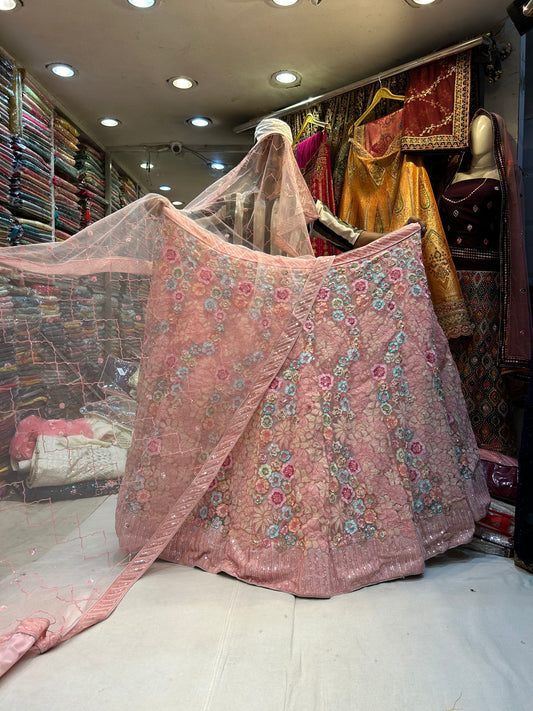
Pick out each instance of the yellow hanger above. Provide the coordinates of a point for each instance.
(381, 93)
(310, 120)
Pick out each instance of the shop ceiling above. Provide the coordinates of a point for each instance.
(124, 56)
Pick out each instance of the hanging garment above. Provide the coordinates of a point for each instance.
(471, 211)
(382, 189)
(313, 158)
(299, 423)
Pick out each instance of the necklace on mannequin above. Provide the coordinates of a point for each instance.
(458, 200)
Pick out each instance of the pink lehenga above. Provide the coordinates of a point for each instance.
(297, 422)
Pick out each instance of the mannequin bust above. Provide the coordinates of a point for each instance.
(483, 164)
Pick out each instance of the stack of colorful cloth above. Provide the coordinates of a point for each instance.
(32, 173)
(91, 188)
(133, 299)
(6, 151)
(495, 533)
(8, 375)
(116, 180)
(67, 211)
(128, 191)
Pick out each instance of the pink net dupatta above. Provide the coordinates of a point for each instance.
(64, 568)
(264, 403)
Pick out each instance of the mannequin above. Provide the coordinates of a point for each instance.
(471, 208)
(483, 163)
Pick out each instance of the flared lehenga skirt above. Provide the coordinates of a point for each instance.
(305, 414)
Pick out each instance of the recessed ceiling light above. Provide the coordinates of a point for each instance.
(8, 5)
(217, 166)
(109, 122)
(165, 188)
(147, 166)
(286, 77)
(421, 3)
(142, 4)
(61, 70)
(182, 82)
(284, 3)
(177, 203)
(200, 121)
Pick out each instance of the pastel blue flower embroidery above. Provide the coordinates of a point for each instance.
(350, 527)
(273, 531)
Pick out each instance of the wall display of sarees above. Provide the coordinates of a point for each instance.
(481, 211)
(383, 187)
(313, 156)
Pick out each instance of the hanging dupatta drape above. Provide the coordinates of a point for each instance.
(383, 187)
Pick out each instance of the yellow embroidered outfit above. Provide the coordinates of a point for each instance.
(383, 187)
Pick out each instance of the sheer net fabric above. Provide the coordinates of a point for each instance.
(275, 415)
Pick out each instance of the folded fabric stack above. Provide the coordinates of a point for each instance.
(66, 144)
(91, 188)
(32, 174)
(495, 533)
(8, 374)
(116, 180)
(6, 151)
(133, 299)
(128, 191)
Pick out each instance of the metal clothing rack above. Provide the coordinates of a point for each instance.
(311, 101)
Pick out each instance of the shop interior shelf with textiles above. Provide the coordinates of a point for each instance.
(52, 175)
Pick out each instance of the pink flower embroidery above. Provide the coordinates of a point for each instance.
(277, 498)
(395, 275)
(431, 357)
(220, 316)
(309, 326)
(416, 447)
(245, 288)
(360, 286)
(323, 294)
(353, 466)
(282, 294)
(179, 296)
(325, 381)
(351, 320)
(288, 471)
(222, 374)
(379, 371)
(347, 494)
(205, 275)
(170, 361)
(154, 446)
(170, 254)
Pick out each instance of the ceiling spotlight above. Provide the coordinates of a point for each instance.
(61, 70)
(111, 122)
(146, 165)
(200, 121)
(421, 3)
(165, 188)
(286, 78)
(284, 3)
(8, 5)
(142, 4)
(217, 166)
(182, 82)
(177, 203)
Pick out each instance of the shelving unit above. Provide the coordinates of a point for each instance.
(52, 175)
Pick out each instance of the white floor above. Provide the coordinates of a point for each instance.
(459, 637)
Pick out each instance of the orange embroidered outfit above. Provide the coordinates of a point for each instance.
(383, 187)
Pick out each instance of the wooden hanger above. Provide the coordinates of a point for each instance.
(310, 120)
(381, 93)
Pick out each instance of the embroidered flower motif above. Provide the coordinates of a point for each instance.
(154, 446)
(222, 374)
(205, 275)
(282, 294)
(325, 381)
(323, 294)
(170, 254)
(350, 527)
(395, 275)
(379, 371)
